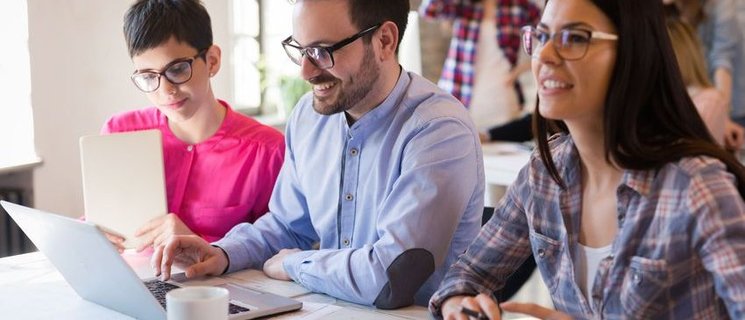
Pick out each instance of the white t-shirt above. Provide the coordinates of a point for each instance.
(586, 262)
(492, 102)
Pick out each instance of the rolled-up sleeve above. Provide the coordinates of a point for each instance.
(723, 40)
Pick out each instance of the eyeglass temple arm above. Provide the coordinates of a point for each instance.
(603, 36)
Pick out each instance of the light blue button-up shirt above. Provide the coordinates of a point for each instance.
(393, 199)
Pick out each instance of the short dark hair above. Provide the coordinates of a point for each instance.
(367, 13)
(150, 23)
(649, 118)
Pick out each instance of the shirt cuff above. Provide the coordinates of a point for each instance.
(293, 262)
(722, 63)
(235, 251)
(226, 257)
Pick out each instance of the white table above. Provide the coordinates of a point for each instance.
(503, 161)
(31, 288)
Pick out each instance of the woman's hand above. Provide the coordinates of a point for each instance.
(116, 240)
(452, 308)
(734, 135)
(158, 230)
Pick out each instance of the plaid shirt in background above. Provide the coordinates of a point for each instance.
(457, 73)
(679, 252)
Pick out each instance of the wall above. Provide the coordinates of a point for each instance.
(79, 77)
(435, 40)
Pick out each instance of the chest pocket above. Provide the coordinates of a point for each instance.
(547, 252)
(642, 284)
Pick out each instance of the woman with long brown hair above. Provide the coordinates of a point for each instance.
(630, 208)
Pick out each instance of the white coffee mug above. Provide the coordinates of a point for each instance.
(197, 303)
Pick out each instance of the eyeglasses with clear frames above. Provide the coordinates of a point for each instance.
(570, 44)
(177, 72)
(320, 56)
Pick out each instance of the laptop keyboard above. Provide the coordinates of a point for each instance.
(160, 288)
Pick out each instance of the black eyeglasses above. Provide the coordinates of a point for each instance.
(320, 56)
(178, 71)
(570, 44)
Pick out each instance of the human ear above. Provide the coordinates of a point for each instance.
(386, 39)
(213, 57)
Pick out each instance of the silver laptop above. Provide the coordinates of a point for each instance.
(94, 268)
(123, 181)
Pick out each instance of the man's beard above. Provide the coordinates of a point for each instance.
(350, 94)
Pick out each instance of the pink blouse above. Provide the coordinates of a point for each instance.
(220, 182)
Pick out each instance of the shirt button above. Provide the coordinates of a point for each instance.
(189, 148)
(348, 197)
(345, 242)
(541, 253)
(353, 152)
(636, 278)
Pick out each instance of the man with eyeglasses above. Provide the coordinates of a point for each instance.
(220, 166)
(383, 170)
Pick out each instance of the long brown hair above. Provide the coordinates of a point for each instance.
(688, 52)
(649, 119)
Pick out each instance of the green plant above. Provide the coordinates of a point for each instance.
(292, 88)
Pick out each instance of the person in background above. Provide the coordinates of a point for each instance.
(220, 166)
(738, 81)
(709, 102)
(481, 67)
(383, 171)
(717, 25)
(630, 208)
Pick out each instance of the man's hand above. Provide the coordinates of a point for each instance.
(274, 267)
(191, 253)
(451, 308)
(155, 232)
(534, 310)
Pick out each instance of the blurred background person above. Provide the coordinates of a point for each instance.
(482, 64)
(710, 103)
(717, 26)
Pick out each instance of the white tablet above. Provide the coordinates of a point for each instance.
(123, 181)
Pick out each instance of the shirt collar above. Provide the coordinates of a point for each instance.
(388, 106)
(639, 180)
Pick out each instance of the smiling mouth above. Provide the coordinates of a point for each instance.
(322, 89)
(554, 84)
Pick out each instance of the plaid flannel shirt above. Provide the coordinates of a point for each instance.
(458, 71)
(679, 252)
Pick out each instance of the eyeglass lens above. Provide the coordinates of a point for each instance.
(318, 56)
(569, 44)
(177, 73)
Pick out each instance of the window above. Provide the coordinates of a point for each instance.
(16, 118)
(260, 66)
(246, 55)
